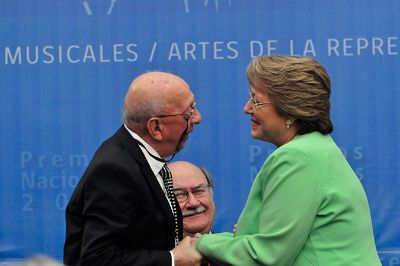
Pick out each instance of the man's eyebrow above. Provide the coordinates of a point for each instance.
(199, 185)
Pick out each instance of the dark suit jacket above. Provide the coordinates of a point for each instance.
(118, 213)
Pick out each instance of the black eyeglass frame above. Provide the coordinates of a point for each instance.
(182, 195)
(186, 115)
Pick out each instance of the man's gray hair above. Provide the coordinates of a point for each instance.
(208, 176)
(139, 114)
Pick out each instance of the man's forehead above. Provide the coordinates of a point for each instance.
(189, 186)
(189, 180)
(187, 174)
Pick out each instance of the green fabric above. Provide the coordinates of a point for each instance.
(306, 207)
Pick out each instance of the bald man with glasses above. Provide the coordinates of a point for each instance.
(123, 211)
(193, 189)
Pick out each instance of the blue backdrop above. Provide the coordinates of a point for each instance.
(65, 66)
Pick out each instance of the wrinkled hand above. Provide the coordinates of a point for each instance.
(185, 254)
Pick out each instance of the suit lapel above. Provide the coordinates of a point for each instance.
(148, 175)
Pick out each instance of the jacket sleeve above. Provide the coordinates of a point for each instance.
(287, 189)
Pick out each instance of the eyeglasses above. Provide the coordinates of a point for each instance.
(256, 103)
(198, 192)
(186, 115)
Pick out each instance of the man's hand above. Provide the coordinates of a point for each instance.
(185, 254)
(194, 239)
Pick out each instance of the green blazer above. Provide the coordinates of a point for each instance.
(306, 207)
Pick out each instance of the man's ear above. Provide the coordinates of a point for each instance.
(154, 128)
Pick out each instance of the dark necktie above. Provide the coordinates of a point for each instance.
(167, 178)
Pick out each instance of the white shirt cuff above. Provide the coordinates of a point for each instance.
(173, 259)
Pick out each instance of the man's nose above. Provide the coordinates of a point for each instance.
(196, 117)
(192, 201)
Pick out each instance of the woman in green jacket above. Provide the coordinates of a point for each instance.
(306, 205)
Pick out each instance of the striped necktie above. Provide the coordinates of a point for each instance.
(167, 179)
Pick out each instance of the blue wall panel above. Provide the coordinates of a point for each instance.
(65, 67)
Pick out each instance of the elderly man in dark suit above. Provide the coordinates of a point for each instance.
(123, 212)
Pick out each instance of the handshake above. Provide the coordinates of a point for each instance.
(185, 253)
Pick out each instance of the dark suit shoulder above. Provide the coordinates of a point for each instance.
(118, 214)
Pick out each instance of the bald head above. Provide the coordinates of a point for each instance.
(185, 170)
(152, 93)
(160, 108)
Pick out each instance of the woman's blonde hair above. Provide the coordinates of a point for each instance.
(298, 87)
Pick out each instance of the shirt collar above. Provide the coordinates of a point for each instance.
(154, 164)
